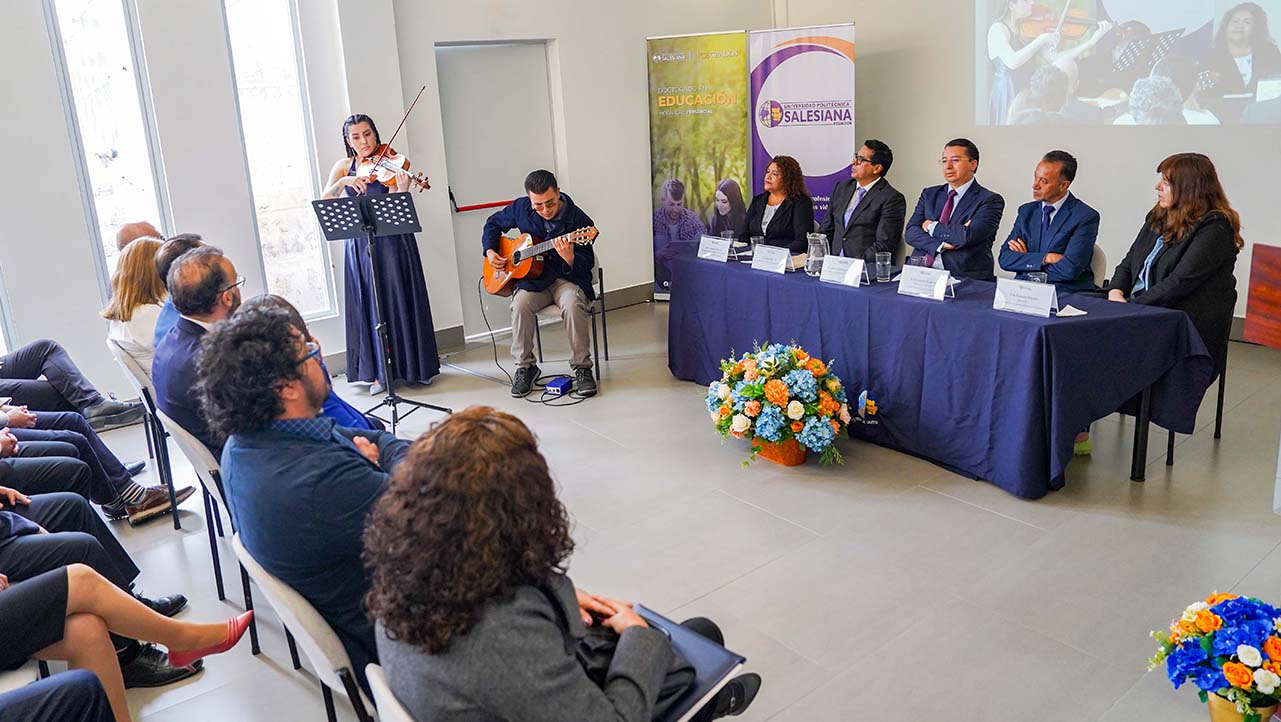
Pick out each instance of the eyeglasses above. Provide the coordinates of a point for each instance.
(240, 281)
(953, 159)
(546, 204)
(860, 160)
(313, 350)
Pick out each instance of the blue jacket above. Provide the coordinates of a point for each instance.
(173, 371)
(980, 208)
(1073, 231)
(165, 321)
(520, 214)
(300, 507)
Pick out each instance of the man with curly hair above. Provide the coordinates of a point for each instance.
(298, 485)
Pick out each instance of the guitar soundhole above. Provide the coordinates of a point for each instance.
(516, 259)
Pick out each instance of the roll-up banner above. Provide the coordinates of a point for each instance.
(802, 84)
(698, 106)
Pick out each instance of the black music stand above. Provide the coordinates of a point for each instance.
(370, 217)
(1143, 53)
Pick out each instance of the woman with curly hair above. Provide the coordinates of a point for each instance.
(476, 618)
(784, 212)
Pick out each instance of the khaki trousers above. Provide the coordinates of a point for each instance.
(572, 302)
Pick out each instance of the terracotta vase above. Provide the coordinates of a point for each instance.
(788, 452)
(1221, 710)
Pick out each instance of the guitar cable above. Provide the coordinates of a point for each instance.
(540, 382)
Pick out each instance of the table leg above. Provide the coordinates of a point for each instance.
(1138, 465)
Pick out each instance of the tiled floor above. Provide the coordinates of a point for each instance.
(886, 589)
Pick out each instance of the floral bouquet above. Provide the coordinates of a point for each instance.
(777, 393)
(1228, 646)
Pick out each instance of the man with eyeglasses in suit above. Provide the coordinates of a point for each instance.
(866, 213)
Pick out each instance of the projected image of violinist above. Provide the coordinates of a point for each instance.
(370, 168)
(1129, 62)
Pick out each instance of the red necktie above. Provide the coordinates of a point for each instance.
(944, 218)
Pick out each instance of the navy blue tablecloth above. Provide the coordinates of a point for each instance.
(989, 394)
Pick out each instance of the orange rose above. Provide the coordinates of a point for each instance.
(827, 406)
(801, 356)
(776, 392)
(1272, 648)
(1215, 598)
(1238, 675)
(836, 426)
(726, 411)
(752, 408)
(1273, 667)
(1187, 627)
(1208, 621)
(797, 426)
(816, 367)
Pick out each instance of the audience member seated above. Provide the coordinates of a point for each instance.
(62, 388)
(784, 212)
(168, 253)
(476, 617)
(1056, 232)
(1182, 71)
(1186, 251)
(136, 295)
(1154, 100)
(47, 531)
(205, 290)
(954, 225)
(866, 213)
(343, 413)
(110, 481)
(299, 486)
(67, 614)
(130, 232)
(73, 695)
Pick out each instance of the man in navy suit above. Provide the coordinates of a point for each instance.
(1055, 233)
(954, 225)
(299, 487)
(205, 290)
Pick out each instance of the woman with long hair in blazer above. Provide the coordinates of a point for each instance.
(784, 212)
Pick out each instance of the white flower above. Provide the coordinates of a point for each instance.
(715, 417)
(1266, 681)
(723, 392)
(1249, 656)
(795, 410)
(740, 424)
(1197, 606)
(845, 413)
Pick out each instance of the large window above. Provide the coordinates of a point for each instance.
(274, 116)
(108, 109)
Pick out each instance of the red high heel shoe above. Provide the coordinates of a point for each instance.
(236, 628)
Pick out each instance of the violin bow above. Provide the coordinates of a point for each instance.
(1067, 6)
(387, 146)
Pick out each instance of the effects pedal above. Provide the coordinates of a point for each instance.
(560, 386)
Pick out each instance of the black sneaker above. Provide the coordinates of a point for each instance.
(524, 382)
(135, 468)
(110, 414)
(164, 606)
(151, 668)
(584, 382)
(735, 697)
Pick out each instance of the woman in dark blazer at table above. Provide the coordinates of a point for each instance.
(784, 212)
(1186, 251)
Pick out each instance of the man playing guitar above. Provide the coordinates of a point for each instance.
(566, 279)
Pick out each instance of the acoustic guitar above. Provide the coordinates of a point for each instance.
(524, 258)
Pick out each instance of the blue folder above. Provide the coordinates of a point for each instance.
(714, 665)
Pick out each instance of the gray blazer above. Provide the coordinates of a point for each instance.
(517, 665)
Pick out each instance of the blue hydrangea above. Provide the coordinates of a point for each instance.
(1253, 633)
(1183, 660)
(713, 400)
(1241, 609)
(802, 385)
(817, 434)
(769, 425)
(1210, 679)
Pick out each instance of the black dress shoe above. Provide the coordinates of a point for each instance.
(136, 467)
(151, 668)
(735, 697)
(166, 606)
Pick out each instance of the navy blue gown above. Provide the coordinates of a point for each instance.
(413, 338)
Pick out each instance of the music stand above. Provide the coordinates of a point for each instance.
(1143, 53)
(370, 217)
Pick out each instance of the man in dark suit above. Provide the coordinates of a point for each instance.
(954, 225)
(866, 213)
(1055, 233)
(205, 290)
(299, 487)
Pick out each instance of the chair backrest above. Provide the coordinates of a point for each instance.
(202, 460)
(389, 708)
(1099, 265)
(312, 633)
(134, 373)
(23, 676)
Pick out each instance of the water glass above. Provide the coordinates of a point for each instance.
(1038, 277)
(916, 261)
(884, 259)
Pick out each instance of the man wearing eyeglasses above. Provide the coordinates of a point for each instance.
(954, 225)
(205, 290)
(866, 213)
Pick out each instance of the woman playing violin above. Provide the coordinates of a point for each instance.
(400, 268)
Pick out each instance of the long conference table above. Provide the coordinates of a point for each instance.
(988, 394)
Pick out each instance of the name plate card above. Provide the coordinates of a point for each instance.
(845, 271)
(771, 258)
(713, 248)
(925, 282)
(1033, 299)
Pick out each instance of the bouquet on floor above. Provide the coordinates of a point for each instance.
(1228, 646)
(777, 394)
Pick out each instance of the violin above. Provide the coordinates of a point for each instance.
(1070, 25)
(386, 166)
